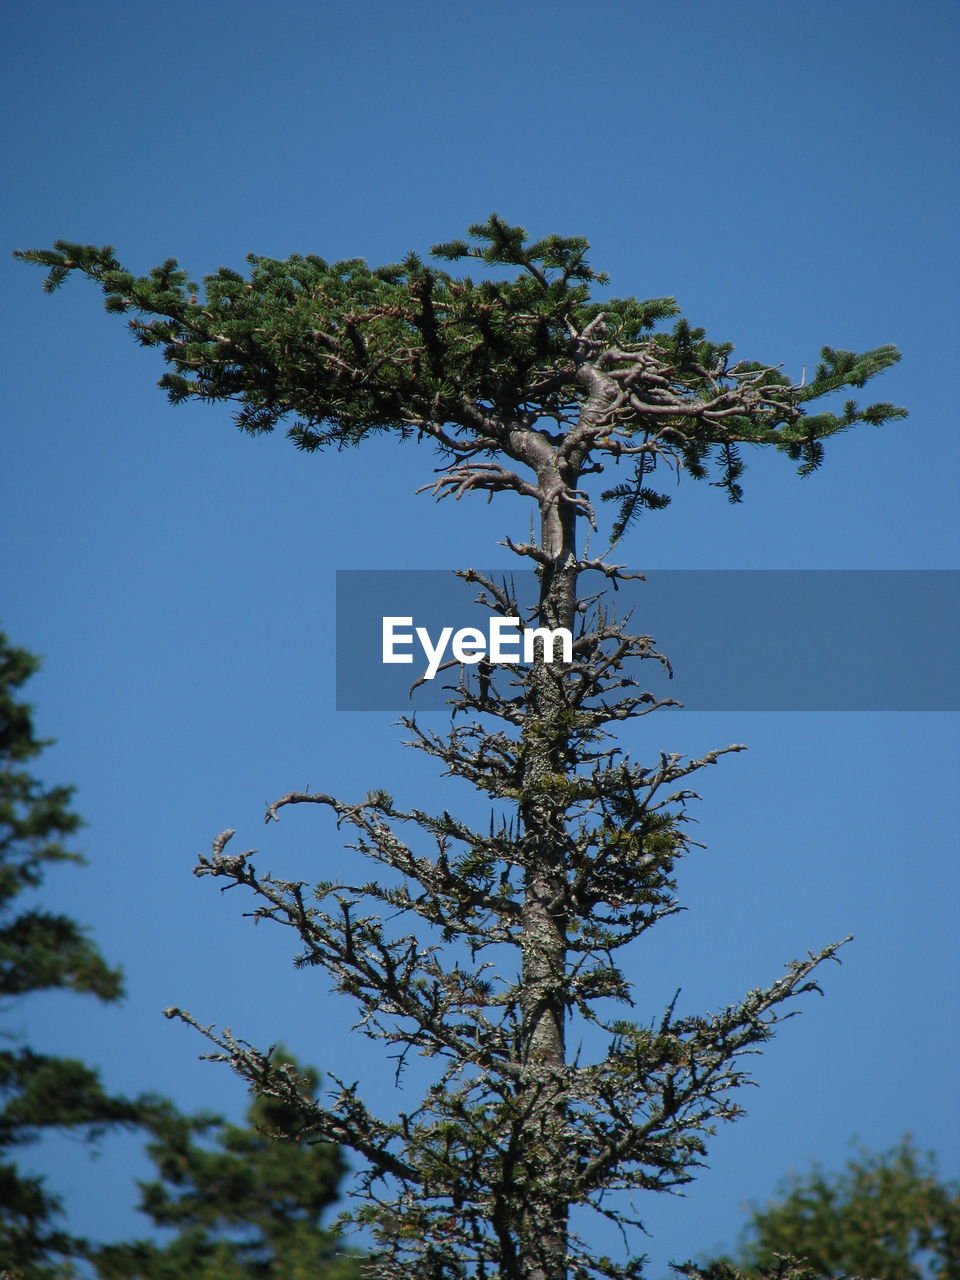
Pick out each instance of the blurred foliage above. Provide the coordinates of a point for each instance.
(883, 1217)
(244, 1201)
(40, 951)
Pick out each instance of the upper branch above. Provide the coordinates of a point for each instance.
(341, 350)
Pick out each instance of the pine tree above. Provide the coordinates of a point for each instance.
(525, 382)
(244, 1200)
(40, 951)
(890, 1216)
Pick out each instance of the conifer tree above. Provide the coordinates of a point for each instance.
(40, 951)
(244, 1200)
(889, 1215)
(526, 383)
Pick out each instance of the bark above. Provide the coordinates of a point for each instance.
(544, 1219)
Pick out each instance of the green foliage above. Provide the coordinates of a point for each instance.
(40, 951)
(784, 1268)
(247, 1206)
(244, 1201)
(883, 1217)
(343, 350)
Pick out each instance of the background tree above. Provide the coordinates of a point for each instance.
(244, 1200)
(247, 1205)
(889, 1216)
(40, 951)
(783, 1268)
(526, 384)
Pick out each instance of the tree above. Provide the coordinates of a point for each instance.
(250, 1206)
(40, 951)
(784, 1268)
(889, 1216)
(245, 1201)
(527, 384)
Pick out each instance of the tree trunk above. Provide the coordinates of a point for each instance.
(543, 1230)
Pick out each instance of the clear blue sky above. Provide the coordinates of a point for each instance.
(789, 173)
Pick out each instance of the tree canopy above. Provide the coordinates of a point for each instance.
(890, 1216)
(244, 1201)
(341, 350)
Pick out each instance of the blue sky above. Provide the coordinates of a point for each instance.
(788, 172)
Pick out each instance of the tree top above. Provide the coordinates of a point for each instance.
(522, 362)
